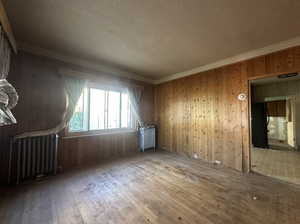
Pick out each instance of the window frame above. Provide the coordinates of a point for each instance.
(106, 130)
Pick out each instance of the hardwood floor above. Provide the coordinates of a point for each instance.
(159, 187)
(284, 165)
(277, 145)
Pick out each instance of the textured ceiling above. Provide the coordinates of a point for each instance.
(153, 38)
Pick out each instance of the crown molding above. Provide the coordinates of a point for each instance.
(240, 57)
(97, 67)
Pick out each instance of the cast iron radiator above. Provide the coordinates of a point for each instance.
(32, 157)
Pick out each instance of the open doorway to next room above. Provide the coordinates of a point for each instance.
(275, 122)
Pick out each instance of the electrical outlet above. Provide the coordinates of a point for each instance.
(217, 162)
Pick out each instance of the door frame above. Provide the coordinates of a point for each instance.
(257, 77)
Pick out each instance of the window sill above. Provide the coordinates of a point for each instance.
(97, 133)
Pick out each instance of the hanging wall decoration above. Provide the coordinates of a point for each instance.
(8, 94)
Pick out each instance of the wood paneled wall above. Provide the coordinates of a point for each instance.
(42, 103)
(276, 108)
(201, 116)
(78, 151)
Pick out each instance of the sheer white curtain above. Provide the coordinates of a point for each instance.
(135, 96)
(5, 53)
(73, 88)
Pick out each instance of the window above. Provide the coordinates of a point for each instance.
(97, 109)
(100, 109)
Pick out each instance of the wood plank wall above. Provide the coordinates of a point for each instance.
(41, 104)
(200, 115)
(276, 108)
(79, 151)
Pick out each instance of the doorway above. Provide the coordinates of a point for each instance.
(275, 127)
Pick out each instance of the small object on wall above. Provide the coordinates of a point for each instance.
(217, 162)
(242, 96)
(289, 75)
(147, 137)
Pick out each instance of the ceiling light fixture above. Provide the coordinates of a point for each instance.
(289, 75)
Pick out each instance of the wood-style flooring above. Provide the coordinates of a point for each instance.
(278, 145)
(284, 165)
(160, 188)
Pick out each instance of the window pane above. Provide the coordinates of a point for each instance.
(78, 121)
(113, 109)
(125, 112)
(100, 109)
(97, 109)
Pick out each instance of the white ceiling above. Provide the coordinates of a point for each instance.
(153, 38)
